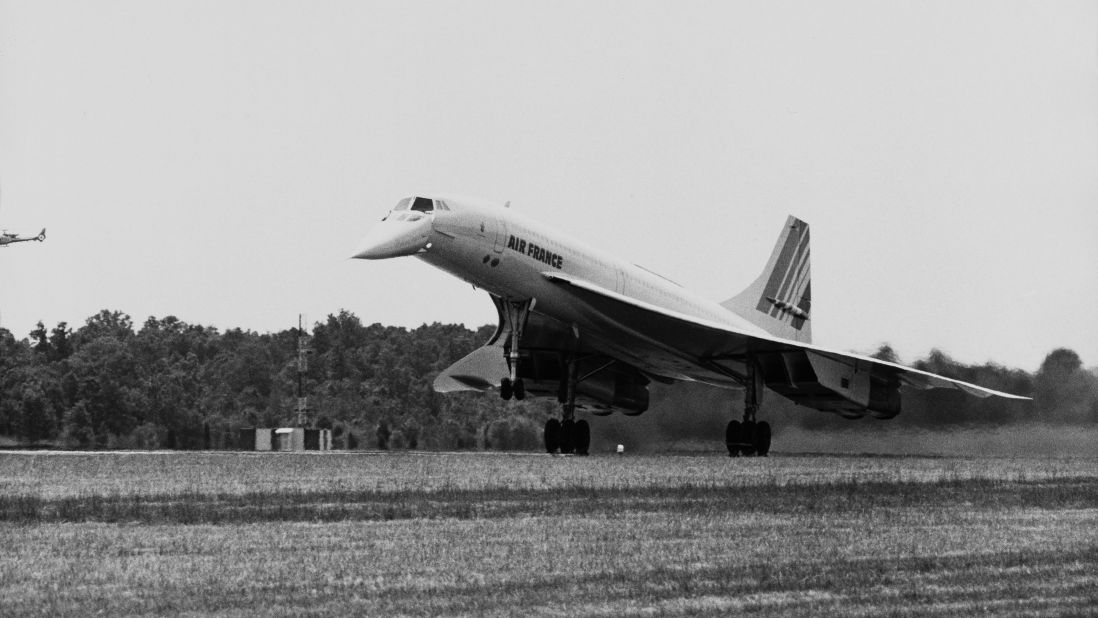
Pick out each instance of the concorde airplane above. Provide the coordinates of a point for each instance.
(594, 331)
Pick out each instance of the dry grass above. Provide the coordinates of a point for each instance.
(60, 474)
(518, 534)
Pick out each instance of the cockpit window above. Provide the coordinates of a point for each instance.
(423, 204)
(403, 204)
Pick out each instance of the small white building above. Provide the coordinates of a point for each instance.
(289, 439)
(286, 439)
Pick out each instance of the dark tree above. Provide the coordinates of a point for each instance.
(383, 435)
(41, 340)
(61, 341)
(1064, 391)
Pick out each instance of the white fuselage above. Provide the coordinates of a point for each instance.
(498, 250)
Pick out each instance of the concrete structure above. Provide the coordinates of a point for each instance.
(285, 439)
(262, 439)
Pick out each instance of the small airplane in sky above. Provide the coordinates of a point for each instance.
(7, 238)
(594, 331)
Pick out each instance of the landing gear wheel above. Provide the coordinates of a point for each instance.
(567, 437)
(733, 436)
(761, 439)
(520, 389)
(552, 435)
(748, 437)
(506, 391)
(582, 440)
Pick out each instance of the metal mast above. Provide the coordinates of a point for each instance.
(303, 417)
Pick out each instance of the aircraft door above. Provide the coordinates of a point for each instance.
(501, 235)
(491, 231)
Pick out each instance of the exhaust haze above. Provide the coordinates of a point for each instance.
(691, 417)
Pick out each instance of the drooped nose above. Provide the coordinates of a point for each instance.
(395, 237)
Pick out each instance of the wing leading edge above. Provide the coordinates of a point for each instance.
(828, 380)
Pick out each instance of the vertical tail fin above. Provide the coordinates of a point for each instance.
(780, 300)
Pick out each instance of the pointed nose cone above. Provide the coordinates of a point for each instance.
(394, 238)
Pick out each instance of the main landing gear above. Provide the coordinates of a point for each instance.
(749, 437)
(568, 435)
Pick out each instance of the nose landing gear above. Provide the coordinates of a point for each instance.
(514, 315)
(509, 389)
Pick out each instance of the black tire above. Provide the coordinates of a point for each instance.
(505, 389)
(552, 435)
(762, 439)
(520, 389)
(732, 438)
(583, 437)
(748, 436)
(567, 437)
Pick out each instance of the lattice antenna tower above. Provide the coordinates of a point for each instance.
(304, 413)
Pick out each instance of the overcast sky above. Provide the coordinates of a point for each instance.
(218, 161)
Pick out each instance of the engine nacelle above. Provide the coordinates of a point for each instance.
(884, 400)
(854, 382)
(626, 391)
(604, 384)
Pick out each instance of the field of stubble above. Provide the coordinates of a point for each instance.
(489, 534)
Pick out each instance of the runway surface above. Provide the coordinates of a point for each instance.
(498, 534)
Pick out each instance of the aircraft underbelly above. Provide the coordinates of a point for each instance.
(625, 344)
(503, 276)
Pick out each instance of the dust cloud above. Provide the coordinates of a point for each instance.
(691, 417)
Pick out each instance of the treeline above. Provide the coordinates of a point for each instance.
(1063, 392)
(169, 384)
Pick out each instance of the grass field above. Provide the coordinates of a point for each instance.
(500, 534)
